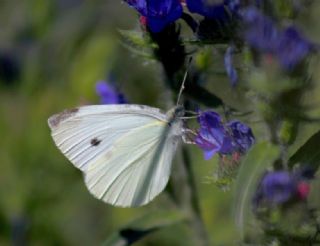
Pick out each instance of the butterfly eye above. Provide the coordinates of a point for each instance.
(179, 111)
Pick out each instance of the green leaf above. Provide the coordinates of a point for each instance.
(143, 226)
(261, 156)
(308, 153)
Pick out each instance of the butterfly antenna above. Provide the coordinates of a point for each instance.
(184, 81)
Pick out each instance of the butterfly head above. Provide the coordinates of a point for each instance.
(176, 112)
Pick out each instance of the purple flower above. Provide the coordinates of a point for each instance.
(158, 13)
(109, 94)
(260, 32)
(228, 64)
(242, 135)
(287, 45)
(213, 136)
(213, 9)
(278, 187)
(292, 48)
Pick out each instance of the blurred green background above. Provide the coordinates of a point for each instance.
(52, 52)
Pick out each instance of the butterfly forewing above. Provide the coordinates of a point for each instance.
(84, 133)
(125, 151)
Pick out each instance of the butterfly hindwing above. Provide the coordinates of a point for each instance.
(137, 170)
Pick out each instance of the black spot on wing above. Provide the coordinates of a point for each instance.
(95, 142)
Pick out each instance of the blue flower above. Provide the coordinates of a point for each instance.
(292, 48)
(278, 187)
(158, 13)
(212, 136)
(215, 137)
(287, 45)
(260, 32)
(242, 135)
(109, 94)
(216, 10)
(228, 64)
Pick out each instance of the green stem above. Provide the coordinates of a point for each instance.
(196, 218)
(185, 196)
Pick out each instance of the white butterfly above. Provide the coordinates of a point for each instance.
(125, 151)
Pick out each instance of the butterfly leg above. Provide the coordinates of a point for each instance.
(188, 136)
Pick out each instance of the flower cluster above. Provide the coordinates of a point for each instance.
(215, 137)
(261, 33)
(158, 14)
(279, 187)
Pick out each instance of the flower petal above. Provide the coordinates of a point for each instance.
(208, 154)
(109, 94)
(158, 13)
